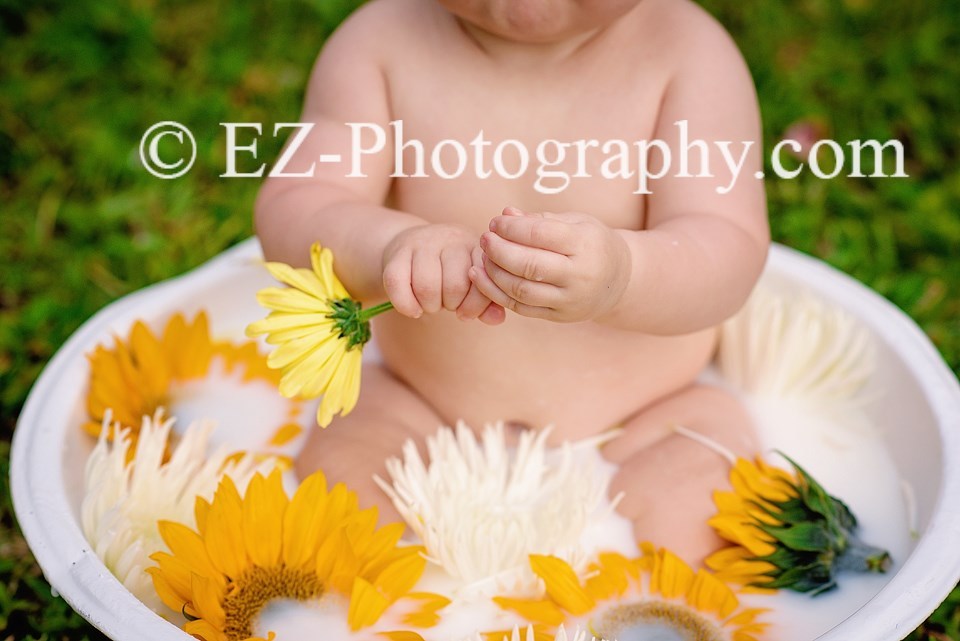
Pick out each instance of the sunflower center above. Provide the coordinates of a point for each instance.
(256, 587)
(656, 621)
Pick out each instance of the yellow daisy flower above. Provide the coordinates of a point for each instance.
(657, 590)
(787, 532)
(250, 550)
(319, 331)
(141, 374)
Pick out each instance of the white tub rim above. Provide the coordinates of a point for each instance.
(73, 570)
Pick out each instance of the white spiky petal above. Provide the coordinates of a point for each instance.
(481, 508)
(123, 500)
(795, 346)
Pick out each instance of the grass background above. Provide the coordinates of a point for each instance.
(81, 223)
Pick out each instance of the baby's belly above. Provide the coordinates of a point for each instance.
(581, 378)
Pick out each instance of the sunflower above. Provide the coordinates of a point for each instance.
(145, 372)
(319, 331)
(532, 633)
(518, 633)
(787, 532)
(127, 490)
(250, 550)
(613, 599)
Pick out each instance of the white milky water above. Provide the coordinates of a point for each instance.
(245, 413)
(839, 447)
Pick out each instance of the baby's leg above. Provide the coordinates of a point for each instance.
(668, 479)
(355, 447)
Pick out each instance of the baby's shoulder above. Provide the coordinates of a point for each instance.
(688, 36)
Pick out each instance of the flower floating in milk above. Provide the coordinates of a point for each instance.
(658, 592)
(531, 633)
(787, 532)
(482, 508)
(247, 551)
(148, 371)
(319, 331)
(796, 347)
(128, 488)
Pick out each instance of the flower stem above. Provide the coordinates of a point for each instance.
(367, 314)
(863, 558)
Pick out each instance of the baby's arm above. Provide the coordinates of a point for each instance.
(420, 267)
(702, 251)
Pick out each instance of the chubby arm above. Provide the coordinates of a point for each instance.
(701, 252)
(346, 85)
(379, 251)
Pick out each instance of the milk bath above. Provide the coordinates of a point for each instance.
(839, 446)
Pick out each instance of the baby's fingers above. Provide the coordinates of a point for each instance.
(521, 290)
(493, 315)
(397, 275)
(475, 304)
(529, 263)
(489, 289)
(544, 231)
(455, 262)
(427, 280)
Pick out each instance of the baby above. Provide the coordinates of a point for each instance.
(597, 306)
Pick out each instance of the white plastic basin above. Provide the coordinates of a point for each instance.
(913, 390)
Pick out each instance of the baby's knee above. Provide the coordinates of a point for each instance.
(723, 418)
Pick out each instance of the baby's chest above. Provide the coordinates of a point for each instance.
(469, 150)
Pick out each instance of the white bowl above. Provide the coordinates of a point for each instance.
(50, 450)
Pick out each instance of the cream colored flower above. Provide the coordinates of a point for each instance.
(126, 493)
(530, 633)
(795, 346)
(482, 508)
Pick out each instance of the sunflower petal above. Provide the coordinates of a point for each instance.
(263, 510)
(367, 605)
(562, 584)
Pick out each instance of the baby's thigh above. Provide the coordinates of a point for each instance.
(668, 479)
(355, 447)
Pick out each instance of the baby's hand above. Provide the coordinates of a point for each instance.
(425, 270)
(562, 267)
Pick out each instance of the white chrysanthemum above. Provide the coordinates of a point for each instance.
(124, 497)
(530, 635)
(795, 346)
(481, 508)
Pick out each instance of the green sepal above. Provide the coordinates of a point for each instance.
(346, 314)
(795, 510)
(813, 577)
(803, 537)
(812, 493)
(783, 558)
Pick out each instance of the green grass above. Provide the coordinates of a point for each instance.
(81, 224)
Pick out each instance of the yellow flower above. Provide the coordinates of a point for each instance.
(612, 599)
(250, 550)
(138, 376)
(319, 331)
(787, 532)
(126, 491)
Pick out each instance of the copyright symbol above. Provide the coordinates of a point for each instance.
(150, 152)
